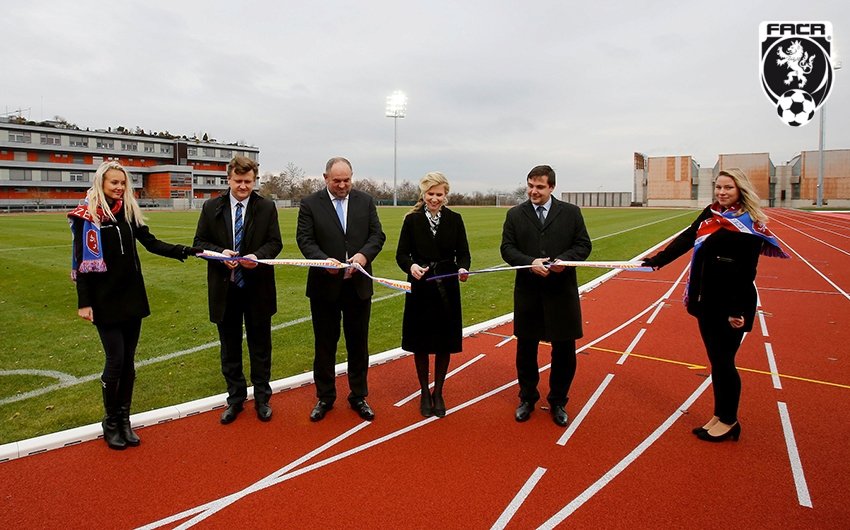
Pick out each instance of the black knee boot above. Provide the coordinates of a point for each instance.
(125, 391)
(111, 433)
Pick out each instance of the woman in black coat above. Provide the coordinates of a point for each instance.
(110, 288)
(433, 242)
(727, 238)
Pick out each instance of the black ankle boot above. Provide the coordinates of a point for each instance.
(125, 390)
(111, 432)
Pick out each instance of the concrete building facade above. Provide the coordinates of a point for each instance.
(679, 181)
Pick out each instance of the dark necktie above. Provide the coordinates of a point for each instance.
(540, 211)
(237, 244)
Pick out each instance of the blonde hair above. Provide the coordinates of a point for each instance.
(749, 199)
(97, 199)
(431, 179)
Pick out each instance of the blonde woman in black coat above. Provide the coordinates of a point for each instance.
(727, 239)
(110, 288)
(433, 242)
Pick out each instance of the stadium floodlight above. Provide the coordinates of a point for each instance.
(821, 134)
(396, 108)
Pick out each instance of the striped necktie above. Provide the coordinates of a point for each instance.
(540, 211)
(237, 244)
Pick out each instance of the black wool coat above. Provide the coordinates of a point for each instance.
(118, 294)
(319, 236)
(722, 273)
(261, 237)
(433, 322)
(546, 308)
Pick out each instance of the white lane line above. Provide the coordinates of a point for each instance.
(214, 506)
(794, 457)
(517, 501)
(448, 375)
(631, 346)
(278, 478)
(585, 410)
(612, 473)
(799, 222)
(771, 361)
(655, 313)
(762, 323)
(507, 340)
(822, 275)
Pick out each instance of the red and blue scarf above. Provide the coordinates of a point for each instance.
(92, 250)
(731, 219)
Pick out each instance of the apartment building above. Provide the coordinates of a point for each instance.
(51, 164)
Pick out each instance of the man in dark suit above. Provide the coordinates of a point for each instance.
(546, 300)
(241, 223)
(340, 224)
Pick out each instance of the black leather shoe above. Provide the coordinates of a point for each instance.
(230, 413)
(363, 410)
(734, 433)
(559, 416)
(426, 408)
(523, 412)
(319, 411)
(439, 406)
(264, 411)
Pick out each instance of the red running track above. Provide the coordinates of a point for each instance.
(627, 459)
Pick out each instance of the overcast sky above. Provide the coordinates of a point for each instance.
(494, 87)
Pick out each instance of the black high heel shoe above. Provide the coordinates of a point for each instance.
(734, 433)
(426, 405)
(698, 430)
(439, 405)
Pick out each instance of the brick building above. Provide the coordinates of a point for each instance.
(51, 164)
(680, 181)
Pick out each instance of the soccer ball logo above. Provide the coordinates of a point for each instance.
(796, 107)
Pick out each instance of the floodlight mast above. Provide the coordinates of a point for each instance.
(396, 108)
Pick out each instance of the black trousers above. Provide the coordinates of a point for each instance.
(354, 313)
(258, 330)
(561, 372)
(119, 343)
(721, 344)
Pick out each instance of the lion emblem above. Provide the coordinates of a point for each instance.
(798, 61)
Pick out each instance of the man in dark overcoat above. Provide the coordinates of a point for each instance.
(341, 224)
(242, 223)
(546, 299)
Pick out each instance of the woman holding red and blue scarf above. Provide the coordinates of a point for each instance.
(727, 238)
(110, 288)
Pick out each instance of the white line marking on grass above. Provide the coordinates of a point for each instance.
(19, 249)
(794, 457)
(631, 346)
(771, 361)
(71, 381)
(641, 226)
(212, 507)
(448, 375)
(61, 376)
(621, 466)
(585, 410)
(517, 501)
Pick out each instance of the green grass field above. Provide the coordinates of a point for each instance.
(41, 330)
